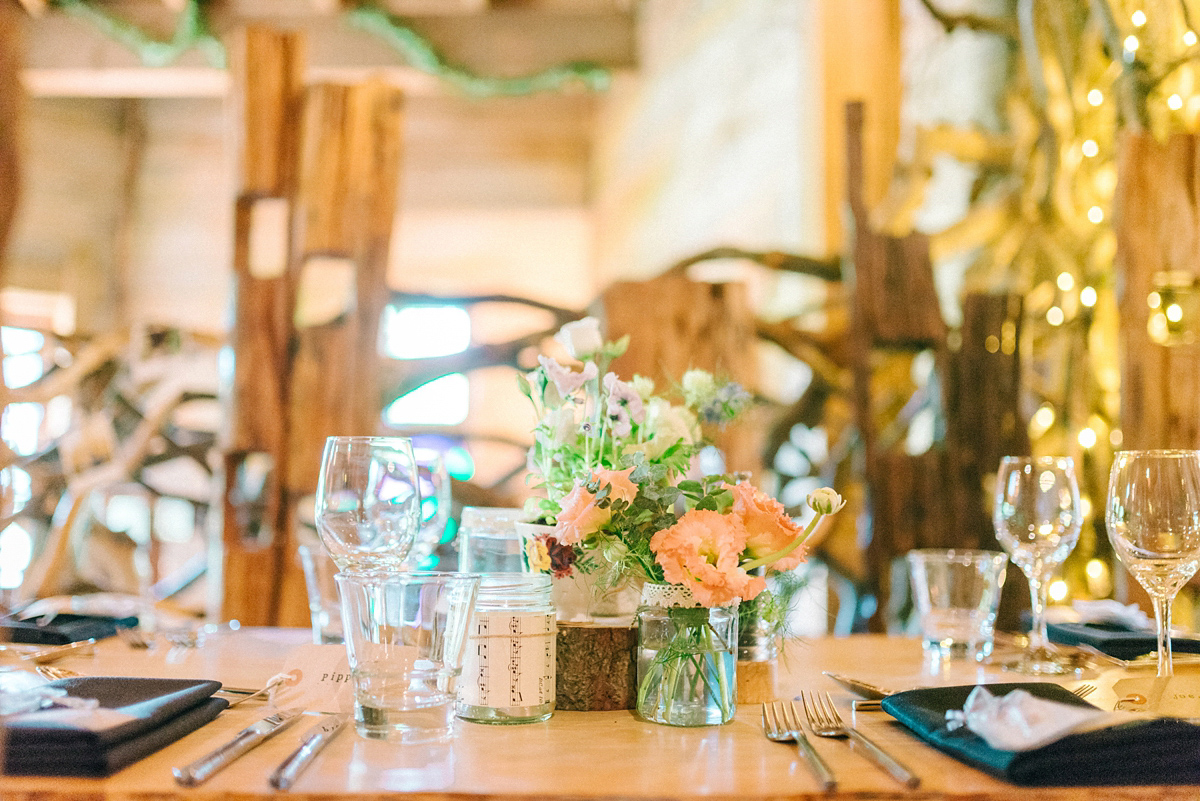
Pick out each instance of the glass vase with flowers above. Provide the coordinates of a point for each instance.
(696, 544)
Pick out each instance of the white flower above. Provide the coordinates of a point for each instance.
(666, 425)
(825, 501)
(699, 387)
(643, 386)
(581, 338)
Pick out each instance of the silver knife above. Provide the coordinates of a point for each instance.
(204, 767)
(313, 741)
(865, 689)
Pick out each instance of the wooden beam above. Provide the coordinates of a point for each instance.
(864, 67)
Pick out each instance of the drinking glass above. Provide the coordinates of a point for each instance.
(1037, 517)
(1153, 518)
(368, 506)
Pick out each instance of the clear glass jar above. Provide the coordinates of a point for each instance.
(509, 669)
(687, 658)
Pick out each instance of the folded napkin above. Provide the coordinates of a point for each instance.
(1151, 751)
(1116, 640)
(62, 629)
(135, 718)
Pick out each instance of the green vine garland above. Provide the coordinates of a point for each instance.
(421, 55)
(192, 30)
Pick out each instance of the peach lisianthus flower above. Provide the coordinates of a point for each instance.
(582, 515)
(702, 552)
(768, 526)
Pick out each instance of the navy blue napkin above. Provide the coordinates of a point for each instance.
(162, 711)
(1156, 751)
(1116, 640)
(63, 629)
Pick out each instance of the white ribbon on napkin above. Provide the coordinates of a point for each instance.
(1108, 611)
(1020, 721)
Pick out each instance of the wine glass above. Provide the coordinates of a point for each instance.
(1153, 519)
(368, 504)
(1037, 518)
(435, 508)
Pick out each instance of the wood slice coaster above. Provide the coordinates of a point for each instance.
(756, 681)
(596, 667)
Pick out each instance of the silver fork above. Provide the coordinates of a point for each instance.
(781, 724)
(1084, 690)
(134, 637)
(824, 720)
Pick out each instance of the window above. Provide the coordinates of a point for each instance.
(424, 332)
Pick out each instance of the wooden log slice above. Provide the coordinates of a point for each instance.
(596, 667)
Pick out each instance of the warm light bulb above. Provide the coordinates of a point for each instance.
(1058, 590)
(1190, 39)
(1154, 300)
(1174, 102)
(1116, 437)
(1055, 316)
(1044, 416)
(1090, 148)
(1096, 215)
(1095, 97)
(1065, 281)
(1087, 296)
(1087, 438)
(1174, 312)
(1131, 44)
(1139, 18)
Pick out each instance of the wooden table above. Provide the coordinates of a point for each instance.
(577, 755)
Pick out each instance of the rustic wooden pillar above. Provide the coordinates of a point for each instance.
(11, 108)
(676, 324)
(268, 69)
(1158, 235)
(348, 175)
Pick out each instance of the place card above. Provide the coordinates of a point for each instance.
(321, 680)
(1175, 696)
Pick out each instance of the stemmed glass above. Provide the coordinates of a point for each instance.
(1037, 518)
(368, 505)
(435, 507)
(1153, 518)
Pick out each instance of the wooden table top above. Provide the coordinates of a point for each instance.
(577, 755)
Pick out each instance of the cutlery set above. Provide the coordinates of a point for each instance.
(781, 723)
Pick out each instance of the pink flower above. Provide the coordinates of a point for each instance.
(581, 516)
(769, 528)
(623, 394)
(701, 552)
(565, 379)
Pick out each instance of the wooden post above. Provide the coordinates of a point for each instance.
(348, 176)
(12, 99)
(1157, 224)
(268, 68)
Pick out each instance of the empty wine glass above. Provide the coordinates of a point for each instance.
(1037, 518)
(435, 508)
(1153, 518)
(368, 504)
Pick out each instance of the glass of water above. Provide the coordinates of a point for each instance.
(1037, 518)
(406, 636)
(956, 593)
(368, 505)
(1153, 518)
(488, 541)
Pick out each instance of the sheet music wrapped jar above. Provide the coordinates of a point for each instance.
(509, 667)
